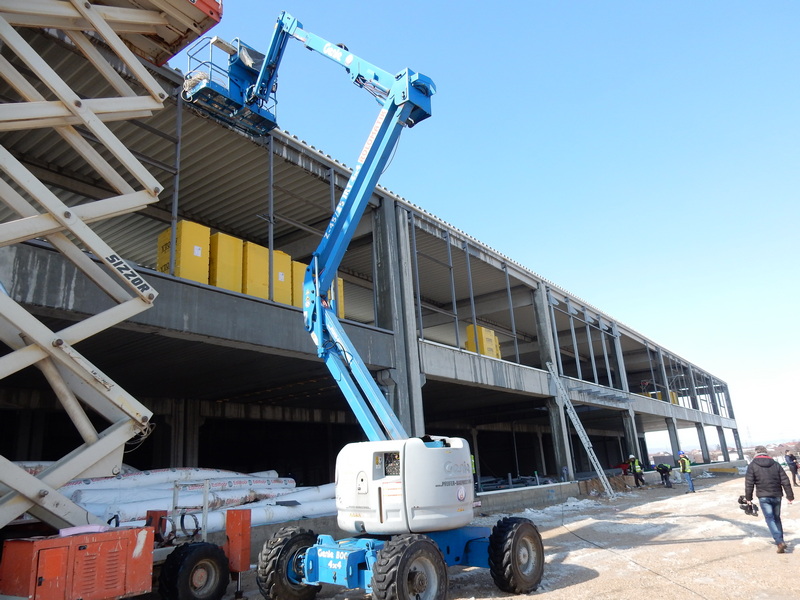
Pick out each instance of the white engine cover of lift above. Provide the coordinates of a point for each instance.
(403, 486)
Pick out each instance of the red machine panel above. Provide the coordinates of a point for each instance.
(92, 566)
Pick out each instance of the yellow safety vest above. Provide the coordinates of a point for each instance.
(686, 465)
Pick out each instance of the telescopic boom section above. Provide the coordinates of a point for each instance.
(405, 100)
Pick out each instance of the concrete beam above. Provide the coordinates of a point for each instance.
(184, 309)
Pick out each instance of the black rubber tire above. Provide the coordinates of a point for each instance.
(516, 555)
(410, 567)
(278, 575)
(198, 571)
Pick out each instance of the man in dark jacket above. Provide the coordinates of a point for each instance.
(770, 481)
(791, 462)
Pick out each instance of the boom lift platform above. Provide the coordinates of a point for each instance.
(408, 500)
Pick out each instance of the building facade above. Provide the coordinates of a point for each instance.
(458, 336)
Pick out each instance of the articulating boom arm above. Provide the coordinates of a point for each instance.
(376, 81)
(405, 100)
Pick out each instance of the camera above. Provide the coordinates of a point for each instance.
(749, 509)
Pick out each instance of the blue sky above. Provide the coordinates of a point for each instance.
(645, 156)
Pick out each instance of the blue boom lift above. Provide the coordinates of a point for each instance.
(409, 501)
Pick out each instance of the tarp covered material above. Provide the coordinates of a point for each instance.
(259, 515)
(126, 498)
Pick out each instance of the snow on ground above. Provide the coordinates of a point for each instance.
(650, 544)
(654, 541)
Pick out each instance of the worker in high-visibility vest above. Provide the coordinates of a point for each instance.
(664, 470)
(686, 470)
(636, 470)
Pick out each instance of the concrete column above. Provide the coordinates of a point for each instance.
(713, 395)
(544, 328)
(476, 457)
(693, 390)
(394, 310)
(701, 437)
(387, 381)
(192, 434)
(177, 424)
(663, 373)
(738, 443)
(621, 372)
(541, 464)
(728, 402)
(560, 432)
(672, 431)
(631, 435)
(723, 444)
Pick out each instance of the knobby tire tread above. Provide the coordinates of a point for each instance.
(172, 583)
(271, 574)
(502, 558)
(387, 573)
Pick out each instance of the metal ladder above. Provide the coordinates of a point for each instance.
(576, 422)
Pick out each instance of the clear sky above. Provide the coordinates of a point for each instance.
(644, 156)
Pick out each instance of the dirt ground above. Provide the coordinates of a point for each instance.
(649, 543)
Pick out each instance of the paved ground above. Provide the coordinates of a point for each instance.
(644, 544)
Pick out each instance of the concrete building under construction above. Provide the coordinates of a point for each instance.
(458, 336)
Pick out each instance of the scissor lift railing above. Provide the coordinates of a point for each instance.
(41, 214)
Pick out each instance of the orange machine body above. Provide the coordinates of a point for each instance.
(91, 566)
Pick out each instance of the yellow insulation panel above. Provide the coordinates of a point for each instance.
(192, 245)
(225, 268)
(488, 343)
(255, 270)
(282, 278)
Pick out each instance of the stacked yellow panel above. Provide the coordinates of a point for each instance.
(488, 343)
(255, 270)
(225, 269)
(192, 243)
(298, 277)
(338, 297)
(282, 279)
(255, 273)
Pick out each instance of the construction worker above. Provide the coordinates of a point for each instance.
(791, 462)
(664, 470)
(636, 470)
(686, 470)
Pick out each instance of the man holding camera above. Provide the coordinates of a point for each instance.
(770, 481)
